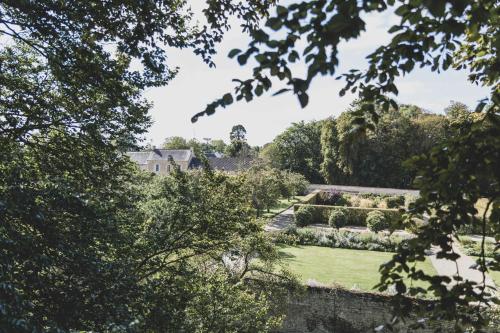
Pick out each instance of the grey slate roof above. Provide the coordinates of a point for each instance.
(230, 163)
(142, 157)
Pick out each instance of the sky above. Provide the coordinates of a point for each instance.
(196, 85)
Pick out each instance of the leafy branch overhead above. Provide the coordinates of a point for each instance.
(435, 34)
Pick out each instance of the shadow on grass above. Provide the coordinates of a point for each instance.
(285, 255)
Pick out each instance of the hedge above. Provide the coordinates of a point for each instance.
(356, 216)
(311, 198)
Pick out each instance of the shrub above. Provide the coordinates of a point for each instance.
(376, 221)
(304, 216)
(332, 198)
(338, 218)
(395, 201)
(356, 216)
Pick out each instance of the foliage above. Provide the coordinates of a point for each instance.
(376, 221)
(437, 35)
(87, 244)
(331, 198)
(153, 254)
(175, 142)
(263, 187)
(395, 201)
(474, 248)
(356, 216)
(304, 216)
(298, 150)
(295, 184)
(337, 218)
(468, 165)
(238, 133)
(339, 239)
(330, 152)
(346, 157)
(376, 157)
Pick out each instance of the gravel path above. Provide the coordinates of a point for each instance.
(465, 266)
(281, 221)
(360, 189)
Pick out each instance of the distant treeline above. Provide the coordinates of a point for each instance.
(332, 151)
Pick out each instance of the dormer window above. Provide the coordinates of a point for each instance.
(157, 168)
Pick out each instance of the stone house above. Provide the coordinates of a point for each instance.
(158, 160)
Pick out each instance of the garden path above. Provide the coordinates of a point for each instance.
(281, 221)
(464, 266)
(361, 189)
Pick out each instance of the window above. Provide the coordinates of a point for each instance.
(168, 168)
(157, 167)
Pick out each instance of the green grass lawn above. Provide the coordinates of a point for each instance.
(281, 206)
(348, 268)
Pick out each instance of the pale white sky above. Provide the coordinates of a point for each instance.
(265, 117)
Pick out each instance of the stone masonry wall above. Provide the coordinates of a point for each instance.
(322, 310)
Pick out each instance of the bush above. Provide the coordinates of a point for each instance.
(332, 198)
(304, 216)
(356, 216)
(339, 239)
(395, 201)
(338, 218)
(376, 221)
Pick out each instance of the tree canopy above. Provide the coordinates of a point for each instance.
(435, 34)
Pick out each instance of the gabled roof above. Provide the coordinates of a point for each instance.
(230, 163)
(178, 155)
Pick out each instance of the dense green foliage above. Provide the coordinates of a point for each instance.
(298, 150)
(337, 218)
(356, 216)
(86, 243)
(264, 186)
(376, 221)
(304, 216)
(339, 239)
(375, 158)
(437, 35)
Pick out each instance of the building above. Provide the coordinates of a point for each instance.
(159, 160)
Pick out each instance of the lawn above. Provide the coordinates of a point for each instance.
(281, 206)
(349, 268)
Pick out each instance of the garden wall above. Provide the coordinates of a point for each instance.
(356, 216)
(337, 310)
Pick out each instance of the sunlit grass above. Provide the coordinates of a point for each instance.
(348, 268)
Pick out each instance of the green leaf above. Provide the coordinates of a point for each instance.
(281, 91)
(282, 11)
(303, 99)
(233, 53)
(227, 99)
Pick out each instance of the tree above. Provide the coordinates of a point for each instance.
(238, 133)
(298, 150)
(238, 146)
(329, 150)
(263, 186)
(175, 142)
(219, 146)
(376, 157)
(72, 76)
(438, 35)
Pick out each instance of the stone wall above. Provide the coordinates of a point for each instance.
(336, 310)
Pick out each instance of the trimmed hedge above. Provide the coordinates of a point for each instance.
(311, 198)
(356, 216)
(376, 221)
(304, 216)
